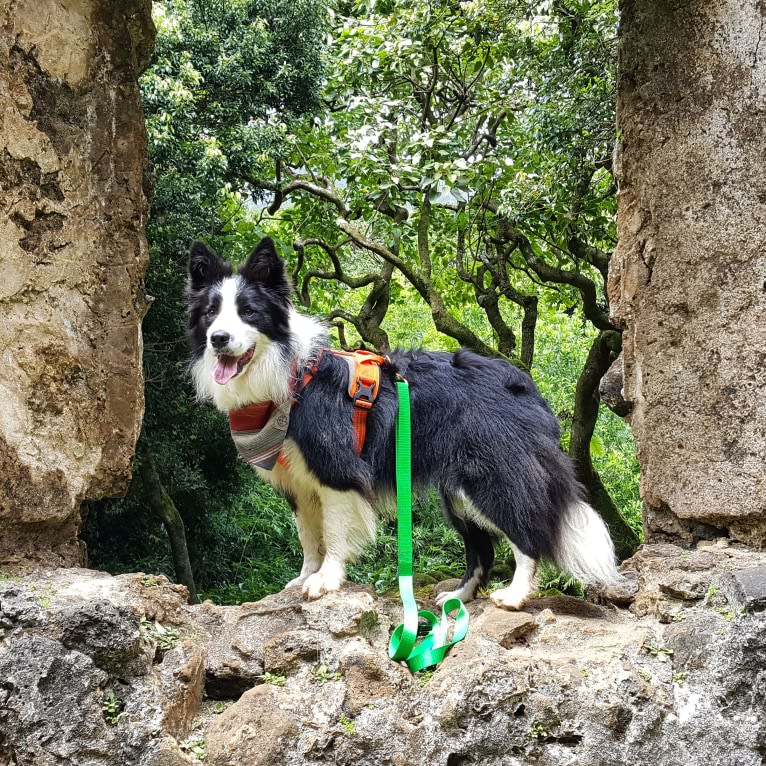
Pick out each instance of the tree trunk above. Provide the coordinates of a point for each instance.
(162, 504)
(604, 350)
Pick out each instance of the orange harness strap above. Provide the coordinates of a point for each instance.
(363, 387)
(246, 422)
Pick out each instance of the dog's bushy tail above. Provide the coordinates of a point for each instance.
(584, 548)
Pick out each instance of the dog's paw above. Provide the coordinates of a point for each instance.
(319, 583)
(509, 598)
(296, 582)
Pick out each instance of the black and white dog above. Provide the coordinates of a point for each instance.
(481, 433)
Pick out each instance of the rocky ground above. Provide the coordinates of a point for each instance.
(98, 670)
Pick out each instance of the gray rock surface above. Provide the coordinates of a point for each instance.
(100, 671)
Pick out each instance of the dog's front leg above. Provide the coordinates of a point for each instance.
(348, 523)
(308, 520)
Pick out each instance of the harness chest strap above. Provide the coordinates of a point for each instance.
(259, 430)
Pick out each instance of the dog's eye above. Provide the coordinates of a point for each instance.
(248, 312)
(211, 312)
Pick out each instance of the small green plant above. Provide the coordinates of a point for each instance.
(657, 650)
(164, 638)
(150, 581)
(195, 746)
(645, 675)
(679, 677)
(168, 638)
(554, 582)
(112, 708)
(43, 598)
(711, 591)
(274, 679)
(424, 677)
(727, 614)
(538, 730)
(347, 723)
(323, 674)
(221, 706)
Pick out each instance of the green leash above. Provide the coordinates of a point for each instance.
(436, 640)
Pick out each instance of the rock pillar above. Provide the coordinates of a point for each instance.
(73, 257)
(688, 279)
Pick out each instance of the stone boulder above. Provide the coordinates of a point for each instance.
(119, 671)
(73, 257)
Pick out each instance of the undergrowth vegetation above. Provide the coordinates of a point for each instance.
(248, 548)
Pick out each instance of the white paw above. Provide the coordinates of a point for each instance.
(509, 598)
(319, 583)
(299, 580)
(310, 566)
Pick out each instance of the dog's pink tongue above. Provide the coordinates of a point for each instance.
(225, 369)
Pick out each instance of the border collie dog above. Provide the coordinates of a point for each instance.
(481, 433)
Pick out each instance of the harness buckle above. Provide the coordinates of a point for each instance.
(364, 396)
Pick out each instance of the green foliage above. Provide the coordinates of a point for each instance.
(112, 708)
(323, 674)
(157, 634)
(662, 653)
(227, 80)
(348, 725)
(274, 679)
(488, 121)
(561, 348)
(554, 582)
(501, 100)
(194, 745)
(437, 549)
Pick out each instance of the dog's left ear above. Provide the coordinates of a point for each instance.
(205, 267)
(265, 266)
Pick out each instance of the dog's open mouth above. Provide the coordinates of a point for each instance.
(228, 367)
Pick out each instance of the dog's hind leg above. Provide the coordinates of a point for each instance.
(308, 520)
(348, 524)
(479, 548)
(522, 584)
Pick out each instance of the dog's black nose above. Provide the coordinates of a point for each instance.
(219, 339)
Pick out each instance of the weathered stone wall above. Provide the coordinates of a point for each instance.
(110, 672)
(688, 280)
(73, 257)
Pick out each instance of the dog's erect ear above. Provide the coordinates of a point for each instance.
(265, 266)
(205, 267)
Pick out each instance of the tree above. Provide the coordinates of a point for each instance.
(476, 167)
(228, 79)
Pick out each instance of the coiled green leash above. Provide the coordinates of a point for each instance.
(436, 642)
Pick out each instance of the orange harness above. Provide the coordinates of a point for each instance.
(363, 387)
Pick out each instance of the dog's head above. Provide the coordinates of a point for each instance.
(234, 318)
